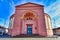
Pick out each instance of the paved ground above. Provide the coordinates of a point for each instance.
(7, 37)
(29, 38)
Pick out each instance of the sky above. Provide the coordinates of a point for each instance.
(51, 7)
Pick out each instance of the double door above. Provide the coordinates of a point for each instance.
(29, 29)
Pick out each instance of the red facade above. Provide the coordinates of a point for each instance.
(28, 16)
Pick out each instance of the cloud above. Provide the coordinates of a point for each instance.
(18, 2)
(12, 5)
(7, 24)
(1, 21)
(4, 22)
(54, 11)
(51, 7)
(58, 23)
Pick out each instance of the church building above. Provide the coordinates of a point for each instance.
(29, 19)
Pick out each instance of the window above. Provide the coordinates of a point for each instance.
(0, 33)
(11, 23)
(29, 16)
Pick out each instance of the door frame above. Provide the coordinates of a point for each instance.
(27, 27)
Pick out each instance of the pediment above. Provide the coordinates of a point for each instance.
(29, 4)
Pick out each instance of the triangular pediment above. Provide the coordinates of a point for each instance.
(30, 4)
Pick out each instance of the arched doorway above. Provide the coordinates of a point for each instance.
(29, 18)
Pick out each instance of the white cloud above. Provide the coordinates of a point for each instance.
(34, 1)
(1, 21)
(58, 19)
(54, 11)
(49, 8)
(21, 2)
(58, 23)
(57, 11)
(7, 24)
(4, 22)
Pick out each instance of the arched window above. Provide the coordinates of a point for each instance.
(29, 16)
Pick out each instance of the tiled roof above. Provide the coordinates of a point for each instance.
(57, 28)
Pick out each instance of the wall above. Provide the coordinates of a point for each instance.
(37, 10)
(48, 25)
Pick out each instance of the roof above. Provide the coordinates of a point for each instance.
(47, 15)
(2, 26)
(56, 28)
(26, 4)
(12, 16)
(30, 5)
